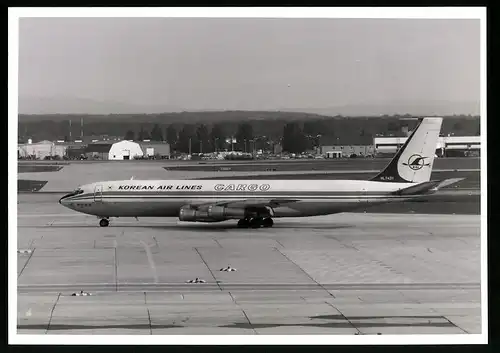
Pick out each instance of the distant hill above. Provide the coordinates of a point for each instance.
(64, 105)
(207, 117)
(430, 108)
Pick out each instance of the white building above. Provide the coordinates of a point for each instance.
(125, 150)
(40, 150)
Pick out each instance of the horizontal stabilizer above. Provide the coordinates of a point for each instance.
(447, 182)
(427, 187)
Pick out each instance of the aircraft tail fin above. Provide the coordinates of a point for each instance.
(413, 162)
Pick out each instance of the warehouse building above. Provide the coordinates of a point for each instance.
(159, 150)
(40, 150)
(346, 151)
(125, 150)
(98, 150)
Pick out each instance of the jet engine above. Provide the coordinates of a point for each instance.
(211, 214)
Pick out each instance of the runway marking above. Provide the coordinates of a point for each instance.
(202, 259)
(249, 323)
(52, 313)
(345, 318)
(277, 241)
(26, 263)
(307, 274)
(220, 246)
(150, 259)
(451, 323)
(149, 319)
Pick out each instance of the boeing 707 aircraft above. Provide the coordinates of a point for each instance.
(255, 203)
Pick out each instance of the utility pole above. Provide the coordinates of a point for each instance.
(81, 131)
(190, 146)
(70, 129)
(232, 140)
(201, 146)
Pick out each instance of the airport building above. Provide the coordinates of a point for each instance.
(40, 150)
(343, 151)
(98, 150)
(448, 146)
(155, 149)
(125, 150)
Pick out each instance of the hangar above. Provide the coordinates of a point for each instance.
(155, 149)
(125, 150)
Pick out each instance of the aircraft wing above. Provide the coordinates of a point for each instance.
(246, 203)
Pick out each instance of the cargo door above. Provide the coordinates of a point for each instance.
(98, 193)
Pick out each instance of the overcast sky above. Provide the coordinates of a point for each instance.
(249, 63)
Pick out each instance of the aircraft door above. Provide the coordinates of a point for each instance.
(98, 193)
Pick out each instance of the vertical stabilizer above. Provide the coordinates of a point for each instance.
(413, 162)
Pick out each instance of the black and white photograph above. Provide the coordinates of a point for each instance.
(249, 176)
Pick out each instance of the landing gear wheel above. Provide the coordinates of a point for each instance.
(243, 223)
(267, 222)
(104, 222)
(255, 222)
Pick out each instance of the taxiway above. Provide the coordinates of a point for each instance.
(339, 274)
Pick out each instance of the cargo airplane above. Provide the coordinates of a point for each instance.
(255, 203)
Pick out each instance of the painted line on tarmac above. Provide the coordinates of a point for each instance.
(150, 259)
(209, 286)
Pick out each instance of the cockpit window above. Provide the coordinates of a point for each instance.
(77, 192)
(74, 193)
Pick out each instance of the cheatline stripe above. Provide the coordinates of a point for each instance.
(290, 193)
(238, 195)
(226, 198)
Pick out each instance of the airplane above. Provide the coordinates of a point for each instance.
(256, 203)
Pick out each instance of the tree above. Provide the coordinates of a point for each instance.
(243, 136)
(392, 126)
(457, 126)
(183, 142)
(130, 135)
(156, 133)
(217, 137)
(143, 135)
(294, 140)
(171, 135)
(202, 137)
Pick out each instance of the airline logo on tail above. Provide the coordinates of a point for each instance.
(416, 162)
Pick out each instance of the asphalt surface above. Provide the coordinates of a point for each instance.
(32, 168)
(350, 274)
(317, 164)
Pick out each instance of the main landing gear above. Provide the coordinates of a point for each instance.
(256, 222)
(104, 222)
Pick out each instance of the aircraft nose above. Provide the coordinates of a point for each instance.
(64, 200)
